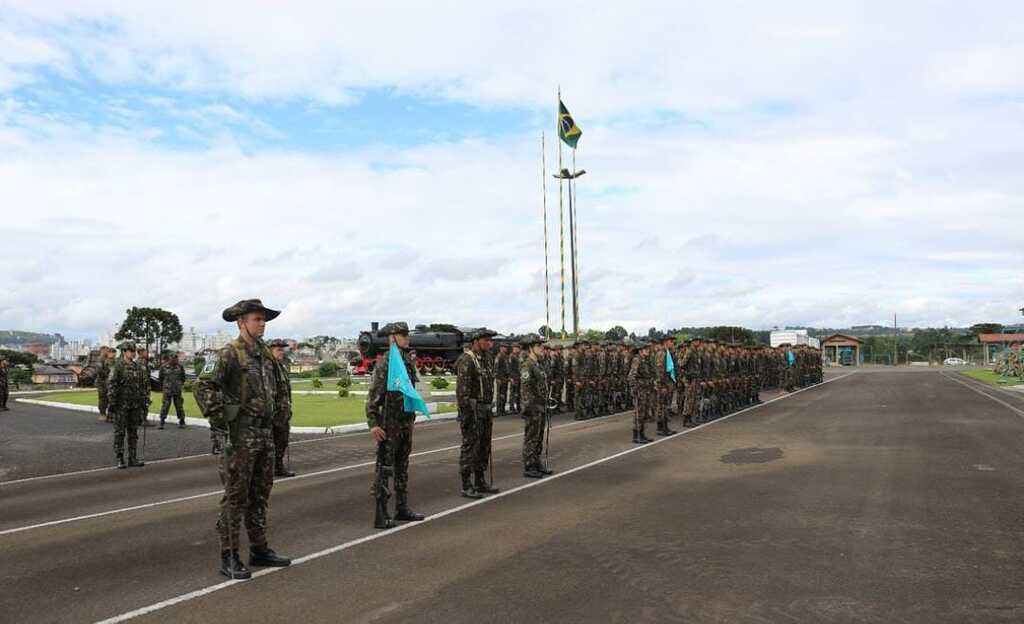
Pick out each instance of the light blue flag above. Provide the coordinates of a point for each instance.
(670, 366)
(790, 358)
(398, 381)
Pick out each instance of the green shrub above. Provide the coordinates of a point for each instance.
(317, 383)
(344, 382)
(328, 369)
(343, 393)
(439, 383)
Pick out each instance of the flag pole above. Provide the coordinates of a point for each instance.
(561, 218)
(544, 189)
(574, 224)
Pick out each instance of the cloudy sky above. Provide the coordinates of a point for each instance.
(797, 164)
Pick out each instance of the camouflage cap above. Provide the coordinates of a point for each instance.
(482, 332)
(278, 342)
(246, 306)
(530, 339)
(126, 345)
(398, 327)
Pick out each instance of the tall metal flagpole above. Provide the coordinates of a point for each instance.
(575, 223)
(544, 188)
(561, 217)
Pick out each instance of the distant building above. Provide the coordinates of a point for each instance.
(792, 337)
(994, 344)
(843, 350)
(45, 374)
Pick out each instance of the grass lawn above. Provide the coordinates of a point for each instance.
(317, 410)
(992, 378)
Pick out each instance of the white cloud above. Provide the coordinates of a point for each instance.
(792, 164)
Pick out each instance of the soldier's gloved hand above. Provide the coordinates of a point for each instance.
(378, 434)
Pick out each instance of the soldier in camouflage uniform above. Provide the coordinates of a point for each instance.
(391, 427)
(514, 364)
(172, 380)
(4, 380)
(142, 361)
(663, 385)
(534, 385)
(127, 403)
(282, 410)
(472, 376)
(641, 383)
(501, 375)
(102, 375)
(239, 398)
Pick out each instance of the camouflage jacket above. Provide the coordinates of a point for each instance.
(514, 363)
(240, 385)
(381, 405)
(501, 370)
(487, 377)
(534, 385)
(283, 407)
(103, 373)
(469, 385)
(128, 386)
(172, 378)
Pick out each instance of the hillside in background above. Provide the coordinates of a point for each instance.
(14, 337)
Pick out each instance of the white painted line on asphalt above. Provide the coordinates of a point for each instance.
(437, 516)
(308, 475)
(361, 430)
(970, 386)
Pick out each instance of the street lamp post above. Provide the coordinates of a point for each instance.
(564, 174)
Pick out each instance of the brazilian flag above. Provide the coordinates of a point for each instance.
(568, 131)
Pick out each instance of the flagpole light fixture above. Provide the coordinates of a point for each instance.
(565, 175)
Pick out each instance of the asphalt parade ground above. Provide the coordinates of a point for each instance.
(875, 497)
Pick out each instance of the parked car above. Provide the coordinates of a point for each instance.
(954, 362)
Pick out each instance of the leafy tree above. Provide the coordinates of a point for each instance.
(653, 333)
(198, 363)
(616, 333)
(20, 374)
(150, 326)
(328, 369)
(593, 334)
(731, 335)
(17, 357)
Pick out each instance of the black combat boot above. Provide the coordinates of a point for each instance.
(133, 459)
(403, 512)
(481, 485)
(531, 472)
(181, 424)
(661, 430)
(643, 435)
(468, 490)
(232, 567)
(636, 436)
(281, 471)
(544, 470)
(161, 425)
(669, 430)
(265, 556)
(120, 461)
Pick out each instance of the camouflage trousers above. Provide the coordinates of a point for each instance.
(247, 474)
(570, 394)
(395, 450)
(501, 400)
(513, 397)
(3, 394)
(282, 432)
(533, 436)
(642, 405)
(470, 448)
(662, 404)
(126, 423)
(104, 398)
(179, 406)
